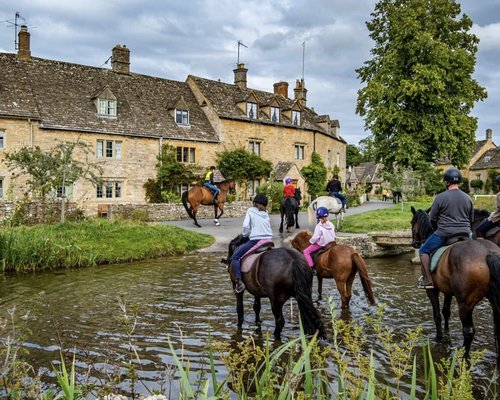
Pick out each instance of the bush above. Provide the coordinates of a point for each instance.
(476, 184)
(170, 197)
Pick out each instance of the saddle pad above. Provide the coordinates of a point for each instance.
(251, 257)
(436, 256)
(261, 243)
(492, 232)
(249, 261)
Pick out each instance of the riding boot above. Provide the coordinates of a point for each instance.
(239, 286)
(425, 281)
(214, 200)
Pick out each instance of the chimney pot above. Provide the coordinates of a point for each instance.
(300, 92)
(489, 134)
(23, 51)
(120, 59)
(281, 88)
(240, 76)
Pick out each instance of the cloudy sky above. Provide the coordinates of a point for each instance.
(175, 38)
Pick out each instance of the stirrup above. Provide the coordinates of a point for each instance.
(239, 286)
(421, 284)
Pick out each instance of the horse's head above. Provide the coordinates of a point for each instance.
(420, 227)
(233, 244)
(231, 186)
(301, 240)
(298, 195)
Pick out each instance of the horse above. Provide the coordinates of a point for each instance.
(334, 206)
(493, 234)
(290, 208)
(397, 196)
(341, 263)
(469, 270)
(280, 274)
(200, 195)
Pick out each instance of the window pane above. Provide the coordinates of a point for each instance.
(118, 189)
(296, 152)
(99, 191)
(118, 149)
(179, 153)
(1, 139)
(109, 149)
(275, 114)
(111, 107)
(251, 110)
(99, 149)
(191, 155)
(257, 148)
(296, 117)
(1, 188)
(185, 117)
(185, 154)
(109, 189)
(102, 107)
(301, 152)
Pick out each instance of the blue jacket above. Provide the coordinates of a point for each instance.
(257, 224)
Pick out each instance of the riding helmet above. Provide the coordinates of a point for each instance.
(260, 199)
(497, 180)
(288, 180)
(452, 175)
(322, 212)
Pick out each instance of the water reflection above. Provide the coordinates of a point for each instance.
(186, 299)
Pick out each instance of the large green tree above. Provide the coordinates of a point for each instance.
(315, 175)
(419, 89)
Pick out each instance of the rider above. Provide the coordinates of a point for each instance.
(256, 226)
(493, 219)
(334, 187)
(209, 184)
(451, 214)
(289, 188)
(324, 233)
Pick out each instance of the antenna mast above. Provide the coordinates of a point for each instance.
(240, 43)
(303, 58)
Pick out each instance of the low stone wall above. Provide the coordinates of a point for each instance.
(379, 244)
(32, 213)
(156, 212)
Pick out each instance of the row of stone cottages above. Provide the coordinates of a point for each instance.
(485, 157)
(127, 117)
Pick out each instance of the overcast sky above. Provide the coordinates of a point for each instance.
(174, 38)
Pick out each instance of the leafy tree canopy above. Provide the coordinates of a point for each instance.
(315, 175)
(241, 165)
(353, 155)
(419, 90)
(171, 172)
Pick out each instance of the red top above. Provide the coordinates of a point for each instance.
(289, 190)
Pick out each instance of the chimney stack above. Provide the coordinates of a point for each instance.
(489, 134)
(281, 88)
(23, 49)
(300, 92)
(120, 59)
(240, 76)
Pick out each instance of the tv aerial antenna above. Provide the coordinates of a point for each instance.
(240, 43)
(16, 22)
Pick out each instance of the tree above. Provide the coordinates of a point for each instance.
(50, 170)
(353, 155)
(172, 172)
(315, 175)
(419, 88)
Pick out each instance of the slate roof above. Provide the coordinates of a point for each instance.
(367, 172)
(224, 98)
(490, 159)
(61, 96)
(282, 168)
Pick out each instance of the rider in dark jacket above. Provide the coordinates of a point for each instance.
(334, 187)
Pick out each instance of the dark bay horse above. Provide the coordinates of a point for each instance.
(469, 271)
(281, 274)
(200, 195)
(290, 208)
(341, 263)
(493, 234)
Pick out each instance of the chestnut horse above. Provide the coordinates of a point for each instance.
(200, 195)
(469, 270)
(341, 263)
(281, 274)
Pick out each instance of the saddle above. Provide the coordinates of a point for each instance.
(492, 232)
(252, 257)
(436, 255)
(317, 253)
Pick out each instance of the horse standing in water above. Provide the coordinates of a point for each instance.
(469, 270)
(341, 263)
(279, 274)
(199, 195)
(333, 205)
(493, 234)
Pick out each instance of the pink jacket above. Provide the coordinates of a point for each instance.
(323, 234)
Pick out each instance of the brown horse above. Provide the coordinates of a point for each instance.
(199, 195)
(341, 263)
(469, 270)
(493, 234)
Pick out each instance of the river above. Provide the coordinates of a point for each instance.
(186, 299)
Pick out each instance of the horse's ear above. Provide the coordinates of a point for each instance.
(413, 210)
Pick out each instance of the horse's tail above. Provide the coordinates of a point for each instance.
(493, 261)
(302, 284)
(311, 214)
(184, 203)
(363, 274)
(290, 218)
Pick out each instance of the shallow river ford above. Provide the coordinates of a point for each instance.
(186, 299)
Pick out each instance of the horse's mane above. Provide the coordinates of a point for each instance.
(480, 213)
(424, 223)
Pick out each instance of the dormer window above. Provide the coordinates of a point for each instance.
(252, 110)
(487, 159)
(275, 114)
(182, 117)
(107, 107)
(296, 117)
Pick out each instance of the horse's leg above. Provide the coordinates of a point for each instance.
(341, 286)
(279, 320)
(447, 310)
(433, 295)
(297, 219)
(256, 308)
(468, 329)
(320, 287)
(348, 285)
(216, 218)
(239, 308)
(195, 220)
(281, 224)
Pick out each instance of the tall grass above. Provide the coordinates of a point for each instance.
(82, 244)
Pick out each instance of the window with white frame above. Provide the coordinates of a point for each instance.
(252, 187)
(252, 110)
(299, 151)
(109, 190)
(296, 117)
(254, 147)
(182, 117)
(107, 107)
(2, 139)
(275, 114)
(186, 154)
(109, 149)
